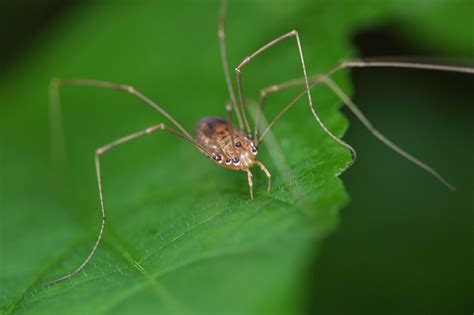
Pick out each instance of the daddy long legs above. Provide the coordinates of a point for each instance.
(235, 146)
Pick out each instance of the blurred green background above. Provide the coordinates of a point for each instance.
(404, 244)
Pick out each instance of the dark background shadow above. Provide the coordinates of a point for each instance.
(404, 245)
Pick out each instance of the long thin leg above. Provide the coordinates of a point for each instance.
(55, 109)
(269, 176)
(371, 62)
(246, 60)
(325, 79)
(228, 110)
(99, 152)
(363, 119)
(380, 62)
(264, 93)
(56, 83)
(249, 179)
(225, 63)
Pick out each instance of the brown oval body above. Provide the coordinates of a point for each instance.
(214, 134)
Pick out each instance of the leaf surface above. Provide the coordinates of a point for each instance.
(182, 236)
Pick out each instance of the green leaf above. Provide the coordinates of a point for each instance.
(182, 235)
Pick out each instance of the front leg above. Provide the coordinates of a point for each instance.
(247, 60)
(267, 173)
(101, 151)
(250, 181)
(329, 82)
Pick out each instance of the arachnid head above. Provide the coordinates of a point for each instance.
(241, 155)
(229, 146)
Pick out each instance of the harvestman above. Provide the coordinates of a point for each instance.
(225, 144)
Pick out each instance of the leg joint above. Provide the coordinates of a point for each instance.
(243, 63)
(127, 88)
(101, 150)
(155, 128)
(55, 82)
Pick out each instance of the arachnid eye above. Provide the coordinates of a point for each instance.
(254, 150)
(217, 157)
(236, 161)
(238, 144)
(228, 161)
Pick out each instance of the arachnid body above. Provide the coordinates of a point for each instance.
(229, 147)
(235, 146)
